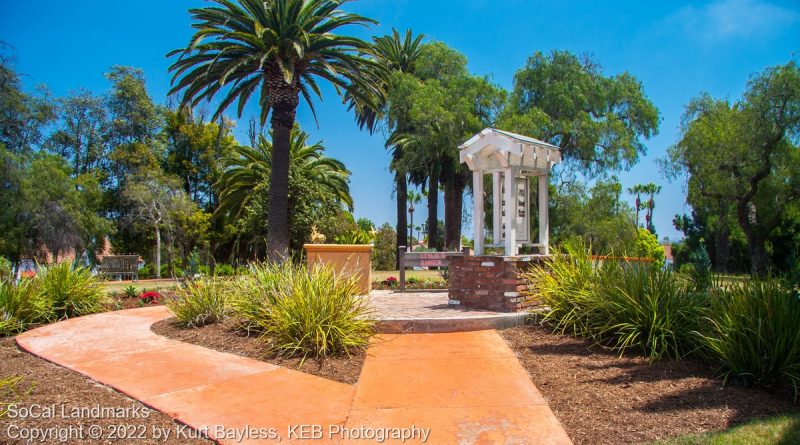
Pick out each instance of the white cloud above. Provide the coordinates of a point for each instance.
(730, 19)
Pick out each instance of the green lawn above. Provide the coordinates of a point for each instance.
(381, 275)
(780, 430)
(120, 286)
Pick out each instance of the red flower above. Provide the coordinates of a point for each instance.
(150, 297)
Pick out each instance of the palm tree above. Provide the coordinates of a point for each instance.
(250, 167)
(280, 49)
(413, 197)
(392, 53)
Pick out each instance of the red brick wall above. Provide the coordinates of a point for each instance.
(491, 282)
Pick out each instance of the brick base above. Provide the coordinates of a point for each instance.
(492, 282)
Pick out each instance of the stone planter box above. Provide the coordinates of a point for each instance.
(350, 258)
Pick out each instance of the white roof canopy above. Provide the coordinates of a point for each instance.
(497, 150)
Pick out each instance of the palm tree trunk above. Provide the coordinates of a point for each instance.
(453, 205)
(433, 208)
(402, 222)
(283, 115)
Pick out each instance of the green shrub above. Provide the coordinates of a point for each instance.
(199, 302)
(131, 292)
(71, 291)
(620, 305)
(300, 312)
(646, 307)
(21, 305)
(224, 270)
(6, 269)
(566, 284)
(353, 237)
(253, 296)
(319, 313)
(753, 331)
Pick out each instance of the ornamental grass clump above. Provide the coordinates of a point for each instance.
(70, 291)
(253, 296)
(617, 304)
(753, 331)
(318, 313)
(645, 307)
(566, 284)
(301, 312)
(21, 306)
(200, 302)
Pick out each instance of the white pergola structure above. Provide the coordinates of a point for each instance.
(511, 159)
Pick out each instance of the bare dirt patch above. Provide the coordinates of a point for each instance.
(601, 398)
(224, 338)
(44, 384)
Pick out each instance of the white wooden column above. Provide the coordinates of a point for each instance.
(509, 207)
(544, 220)
(496, 209)
(477, 210)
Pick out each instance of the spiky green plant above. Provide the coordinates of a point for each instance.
(753, 331)
(200, 302)
(645, 307)
(71, 291)
(253, 296)
(617, 304)
(318, 313)
(21, 305)
(353, 237)
(310, 313)
(565, 283)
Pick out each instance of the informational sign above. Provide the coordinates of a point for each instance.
(522, 206)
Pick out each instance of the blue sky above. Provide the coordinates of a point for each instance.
(677, 49)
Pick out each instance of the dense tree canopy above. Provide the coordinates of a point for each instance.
(742, 162)
(597, 121)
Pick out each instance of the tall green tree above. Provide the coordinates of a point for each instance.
(82, 132)
(23, 117)
(193, 151)
(249, 168)
(597, 121)
(445, 106)
(393, 55)
(280, 48)
(744, 156)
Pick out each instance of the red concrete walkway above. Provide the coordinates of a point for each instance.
(458, 388)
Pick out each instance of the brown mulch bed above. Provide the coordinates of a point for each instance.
(120, 301)
(601, 398)
(47, 385)
(224, 338)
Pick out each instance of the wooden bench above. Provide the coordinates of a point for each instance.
(122, 266)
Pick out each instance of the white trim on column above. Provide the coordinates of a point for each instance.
(496, 211)
(544, 220)
(509, 208)
(477, 210)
